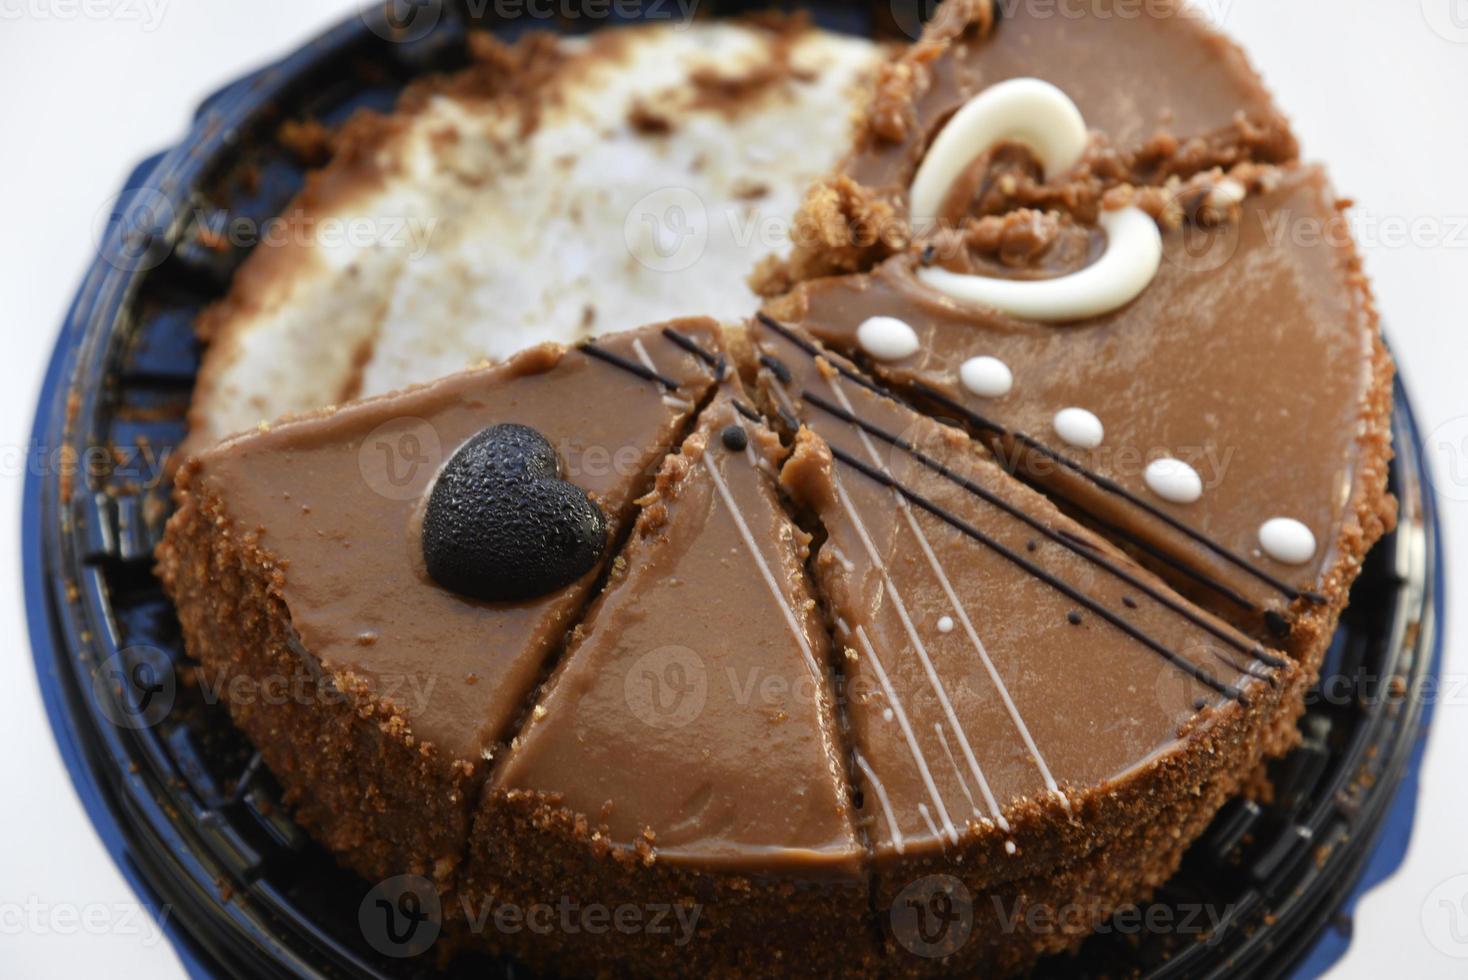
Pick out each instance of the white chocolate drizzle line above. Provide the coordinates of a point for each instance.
(928, 819)
(912, 745)
(644, 356)
(882, 798)
(963, 616)
(1041, 116)
(1131, 260)
(1022, 110)
(764, 568)
(919, 647)
(948, 751)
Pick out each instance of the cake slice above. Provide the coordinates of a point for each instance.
(1025, 703)
(1171, 335)
(374, 694)
(1254, 366)
(685, 754)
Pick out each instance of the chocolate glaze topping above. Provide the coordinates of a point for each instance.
(1252, 361)
(693, 719)
(952, 729)
(337, 500)
(1168, 94)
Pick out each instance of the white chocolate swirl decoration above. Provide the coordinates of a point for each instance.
(1040, 116)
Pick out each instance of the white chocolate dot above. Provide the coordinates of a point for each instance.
(987, 377)
(1173, 480)
(887, 714)
(1287, 540)
(887, 338)
(945, 624)
(1079, 427)
(1009, 847)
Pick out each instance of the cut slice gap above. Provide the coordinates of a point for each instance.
(295, 554)
(687, 744)
(969, 725)
(711, 355)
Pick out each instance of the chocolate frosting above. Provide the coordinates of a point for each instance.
(1250, 359)
(996, 653)
(693, 718)
(337, 499)
(1137, 73)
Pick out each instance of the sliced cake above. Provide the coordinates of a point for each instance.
(1026, 705)
(297, 562)
(1181, 348)
(686, 753)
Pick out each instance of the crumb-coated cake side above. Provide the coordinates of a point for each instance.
(687, 750)
(374, 694)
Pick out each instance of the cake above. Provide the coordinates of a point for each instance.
(555, 189)
(1229, 423)
(910, 626)
(687, 751)
(1030, 713)
(294, 562)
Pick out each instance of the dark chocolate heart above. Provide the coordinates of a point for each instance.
(502, 525)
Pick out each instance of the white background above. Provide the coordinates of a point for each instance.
(88, 87)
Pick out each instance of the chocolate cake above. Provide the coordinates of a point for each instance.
(375, 696)
(1226, 420)
(687, 751)
(1022, 697)
(910, 628)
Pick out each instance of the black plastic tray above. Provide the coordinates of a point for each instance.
(181, 799)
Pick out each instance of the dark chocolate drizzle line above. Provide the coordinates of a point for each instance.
(1075, 595)
(1155, 552)
(1106, 484)
(811, 350)
(748, 412)
(1067, 540)
(1111, 486)
(779, 370)
(692, 346)
(631, 367)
